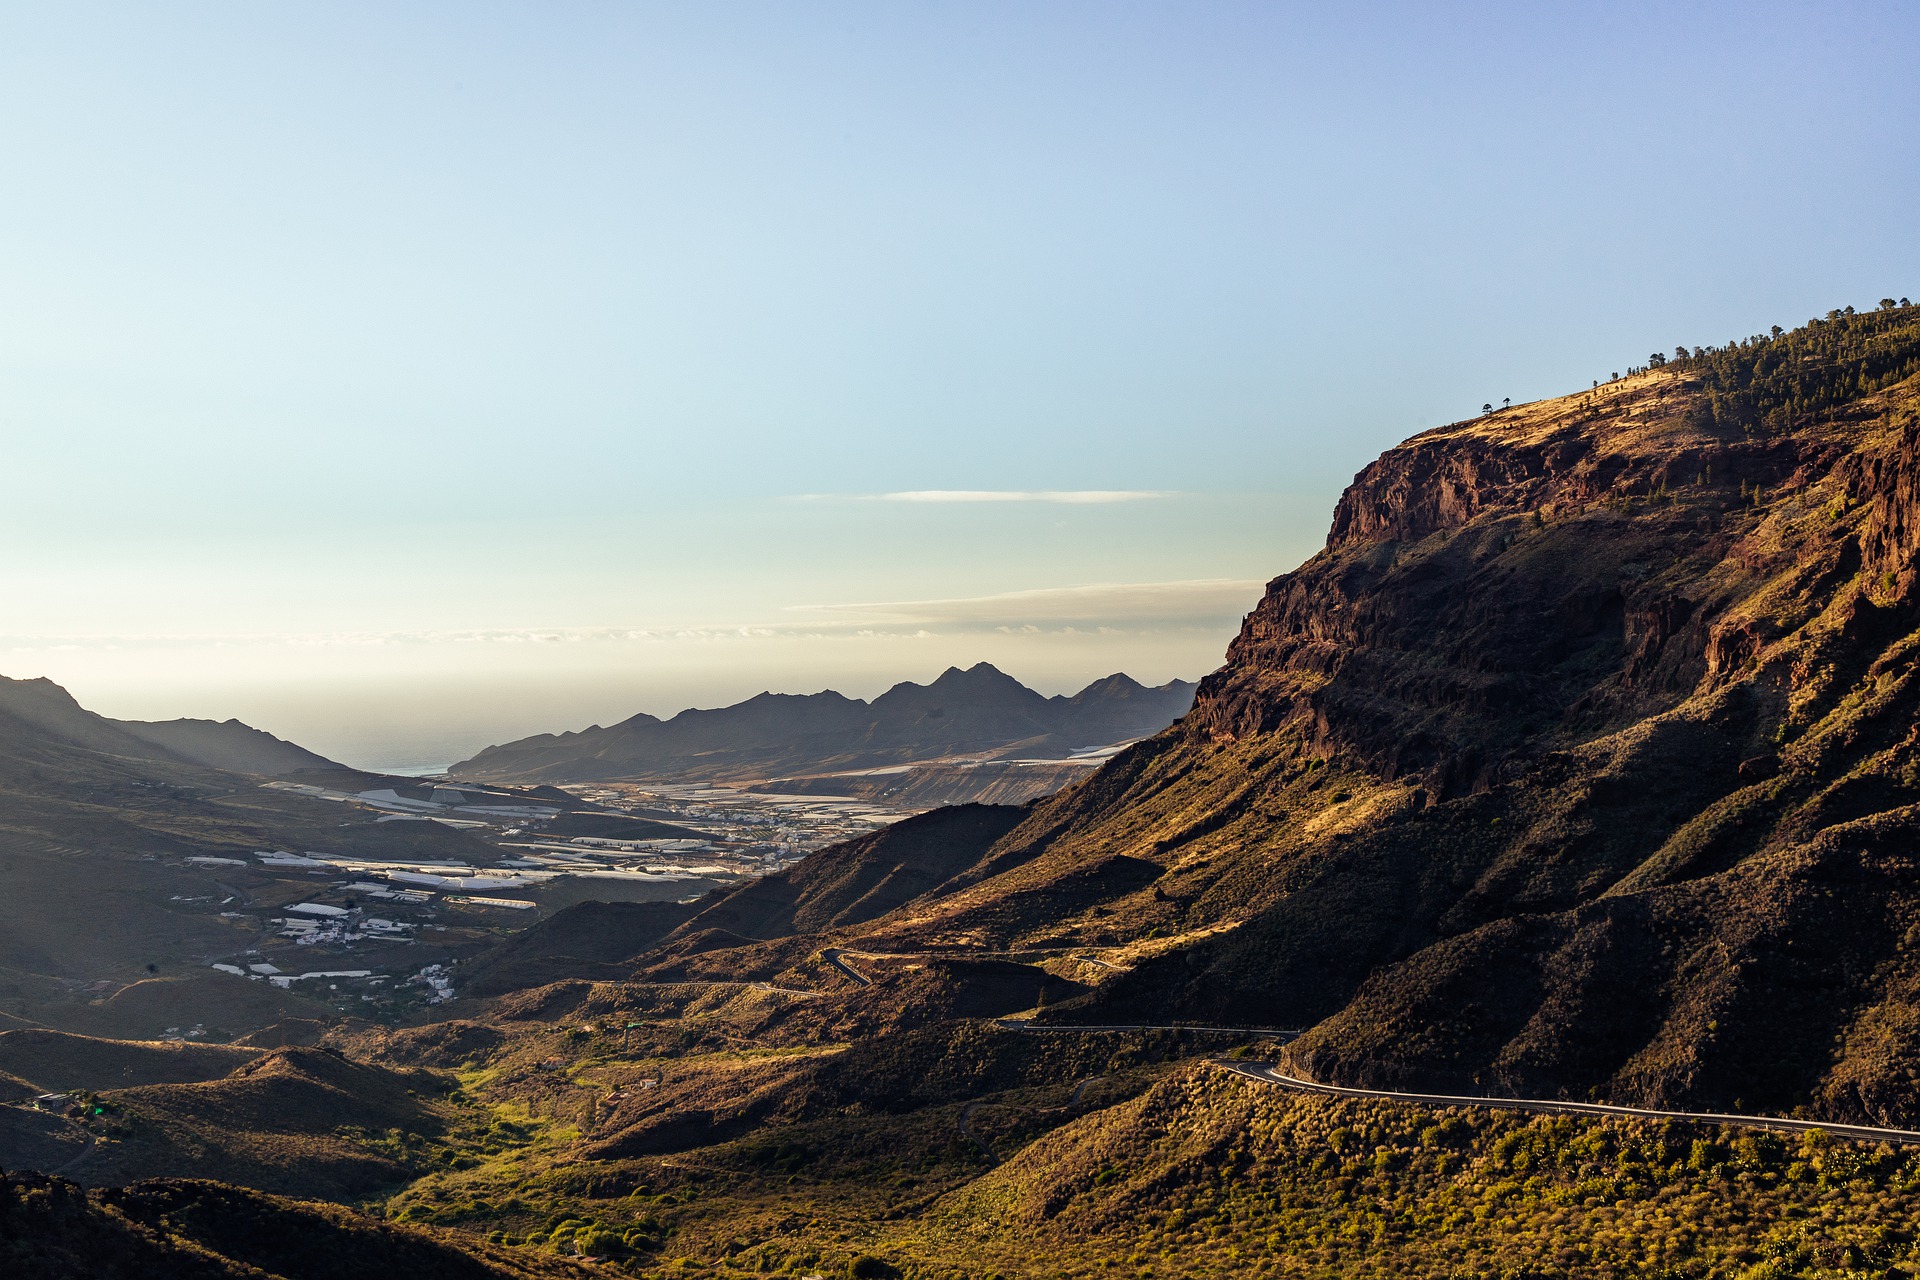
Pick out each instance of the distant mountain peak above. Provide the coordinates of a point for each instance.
(979, 675)
(974, 710)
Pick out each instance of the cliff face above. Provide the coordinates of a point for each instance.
(1584, 759)
(1557, 567)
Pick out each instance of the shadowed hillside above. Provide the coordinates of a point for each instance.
(194, 1230)
(597, 941)
(56, 1060)
(296, 1121)
(843, 885)
(227, 744)
(104, 927)
(860, 879)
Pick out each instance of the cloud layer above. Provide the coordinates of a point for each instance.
(1070, 497)
(1194, 601)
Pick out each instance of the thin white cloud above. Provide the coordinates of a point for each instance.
(1070, 497)
(1208, 603)
(1197, 601)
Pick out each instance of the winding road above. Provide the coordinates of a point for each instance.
(85, 1151)
(966, 1130)
(1080, 1090)
(1266, 1073)
(832, 956)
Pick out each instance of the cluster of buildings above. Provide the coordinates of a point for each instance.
(724, 834)
(749, 832)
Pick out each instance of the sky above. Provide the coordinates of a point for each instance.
(404, 377)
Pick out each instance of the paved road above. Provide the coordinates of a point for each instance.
(1266, 1074)
(1080, 1090)
(832, 956)
(966, 1129)
(34, 1139)
(85, 1151)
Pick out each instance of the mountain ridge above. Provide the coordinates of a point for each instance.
(230, 745)
(227, 745)
(978, 712)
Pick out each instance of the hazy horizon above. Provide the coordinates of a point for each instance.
(342, 696)
(404, 378)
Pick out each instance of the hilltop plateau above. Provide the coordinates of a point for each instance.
(198, 1230)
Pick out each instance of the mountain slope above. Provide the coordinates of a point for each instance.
(227, 744)
(293, 1121)
(860, 879)
(596, 941)
(41, 709)
(840, 886)
(980, 711)
(1583, 759)
(105, 927)
(193, 1230)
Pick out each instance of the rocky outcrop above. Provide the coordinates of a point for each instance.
(1556, 567)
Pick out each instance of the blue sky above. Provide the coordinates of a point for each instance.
(403, 376)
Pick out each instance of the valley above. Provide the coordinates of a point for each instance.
(1531, 892)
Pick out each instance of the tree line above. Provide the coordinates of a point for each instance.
(1768, 383)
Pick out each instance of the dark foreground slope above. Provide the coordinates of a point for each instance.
(304, 1122)
(50, 1229)
(229, 745)
(1583, 760)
